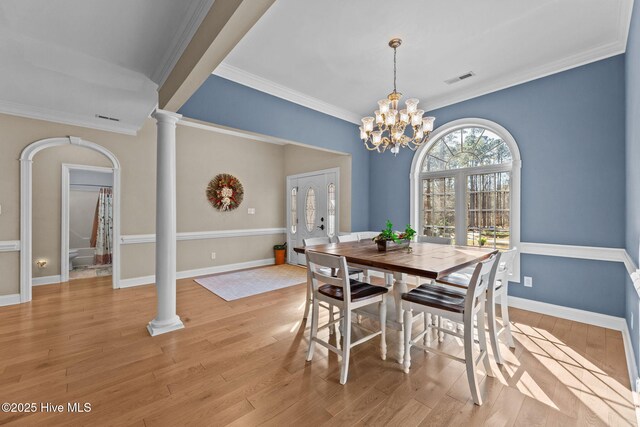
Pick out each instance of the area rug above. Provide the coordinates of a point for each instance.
(245, 283)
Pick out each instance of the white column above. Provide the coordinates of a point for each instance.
(167, 320)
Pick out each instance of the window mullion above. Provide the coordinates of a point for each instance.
(461, 210)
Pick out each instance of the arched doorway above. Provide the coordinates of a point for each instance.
(26, 206)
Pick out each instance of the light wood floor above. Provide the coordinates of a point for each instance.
(243, 363)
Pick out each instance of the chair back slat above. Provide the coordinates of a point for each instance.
(348, 238)
(367, 235)
(318, 262)
(505, 265)
(433, 239)
(313, 241)
(480, 280)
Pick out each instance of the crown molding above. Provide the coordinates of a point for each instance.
(196, 13)
(253, 81)
(494, 85)
(594, 54)
(39, 113)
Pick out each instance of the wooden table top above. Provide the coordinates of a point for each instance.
(429, 260)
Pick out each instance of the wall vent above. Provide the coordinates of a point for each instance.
(113, 119)
(460, 78)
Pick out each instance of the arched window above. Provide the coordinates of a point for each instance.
(465, 185)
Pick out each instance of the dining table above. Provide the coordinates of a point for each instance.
(420, 260)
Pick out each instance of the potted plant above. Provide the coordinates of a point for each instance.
(482, 241)
(280, 252)
(389, 239)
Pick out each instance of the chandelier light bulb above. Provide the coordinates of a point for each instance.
(412, 105)
(363, 134)
(384, 106)
(391, 117)
(404, 116)
(416, 118)
(419, 133)
(427, 123)
(367, 124)
(379, 118)
(377, 137)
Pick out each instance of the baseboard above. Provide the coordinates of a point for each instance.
(9, 299)
(146, 280)
(631, 358)
(46, 280)
(137, 281)
(574, 314)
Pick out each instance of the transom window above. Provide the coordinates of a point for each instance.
(463, 187)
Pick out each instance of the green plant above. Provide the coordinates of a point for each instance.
(482, 241)
(388, 234)
(280, 247)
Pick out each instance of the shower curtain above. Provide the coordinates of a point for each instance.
(102, 234)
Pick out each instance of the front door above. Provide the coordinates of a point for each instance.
(312, 209)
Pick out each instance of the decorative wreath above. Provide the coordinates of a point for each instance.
(225, 192)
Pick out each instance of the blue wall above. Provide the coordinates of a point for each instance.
(230, 104)
(632, 62)
(570, 129)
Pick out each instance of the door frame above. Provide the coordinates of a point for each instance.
(26, 206)
(64, 217)
(289, 179)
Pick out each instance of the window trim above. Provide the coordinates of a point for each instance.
(416, 176)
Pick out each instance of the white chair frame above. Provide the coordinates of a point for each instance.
(475, 302)
(317, 263)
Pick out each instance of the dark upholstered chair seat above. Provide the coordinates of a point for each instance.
(437, 297)
(359, 291)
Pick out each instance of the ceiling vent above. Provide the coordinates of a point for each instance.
(460, 78)
(113, 119)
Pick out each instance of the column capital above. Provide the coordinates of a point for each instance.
(165, 116)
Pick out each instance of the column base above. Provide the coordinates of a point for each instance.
(157, 328)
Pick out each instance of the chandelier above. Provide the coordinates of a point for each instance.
(391, 124)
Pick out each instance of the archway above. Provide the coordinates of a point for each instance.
(26, 206)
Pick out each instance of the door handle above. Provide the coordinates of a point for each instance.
(321, 227)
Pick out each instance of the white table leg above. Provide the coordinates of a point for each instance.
(399, 288)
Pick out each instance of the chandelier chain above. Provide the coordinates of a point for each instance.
(394, 69)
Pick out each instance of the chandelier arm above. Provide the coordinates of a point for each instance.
(366, 145)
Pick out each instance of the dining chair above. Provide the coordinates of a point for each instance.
(342, 238)
(367, 235)
(346, 294)
(460, 309)
(427, 317)
(435, 239)
(498, 292)
(313, 241)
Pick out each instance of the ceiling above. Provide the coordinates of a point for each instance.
(69, 61)
(332, 55)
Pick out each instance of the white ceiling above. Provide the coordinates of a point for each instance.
(70, 60)
(332, 55)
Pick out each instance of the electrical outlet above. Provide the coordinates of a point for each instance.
(213, 256)
(528, 282)
(251, 211)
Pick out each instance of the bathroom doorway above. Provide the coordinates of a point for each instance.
(87, 222)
